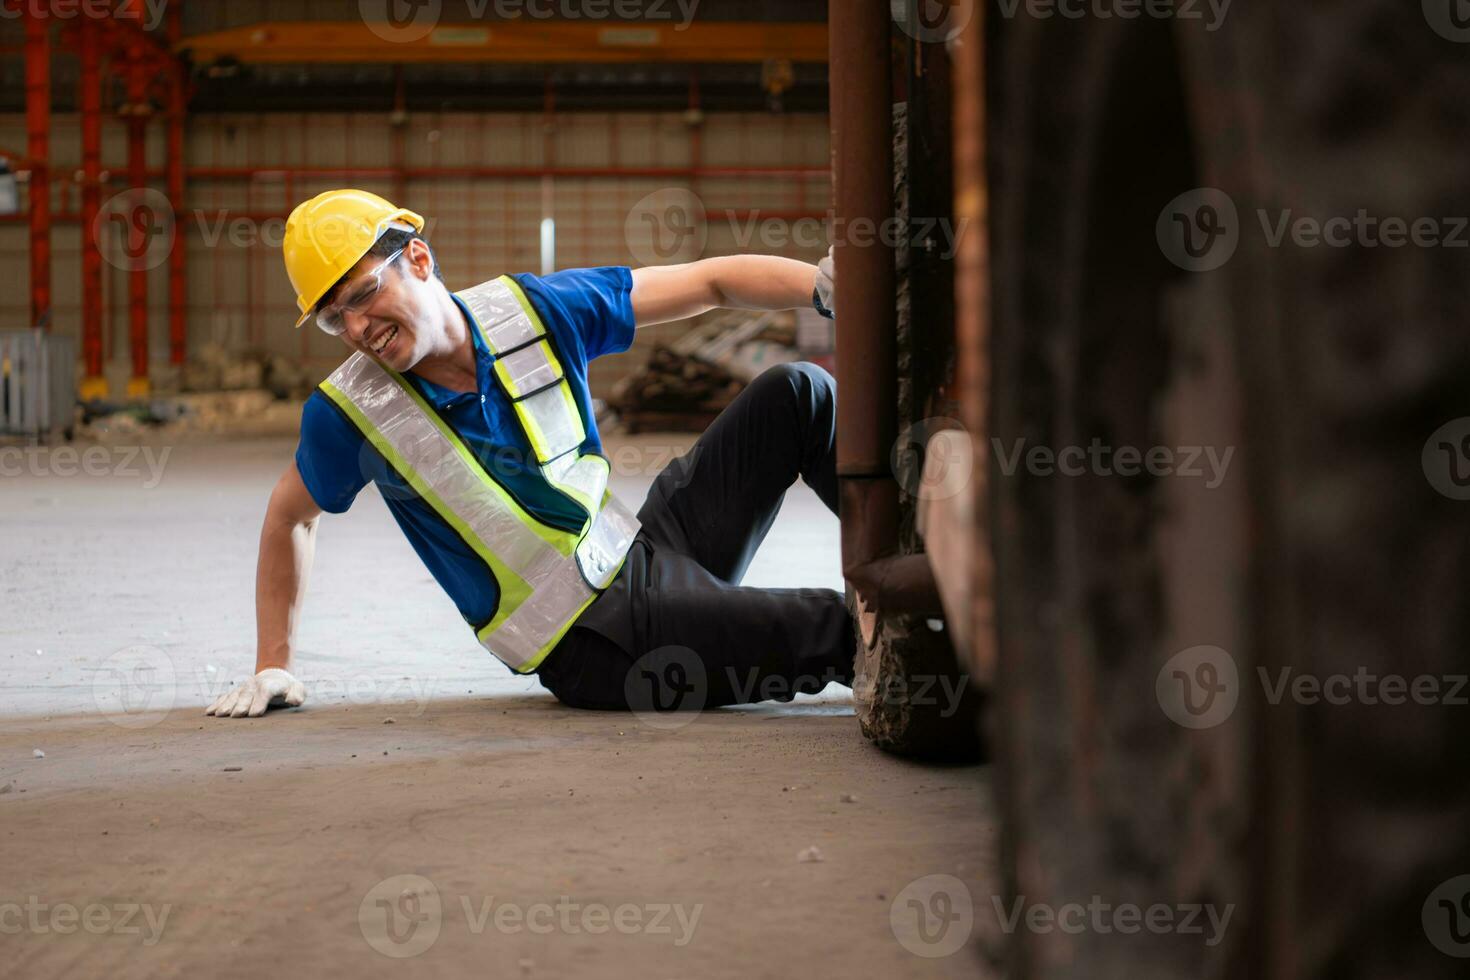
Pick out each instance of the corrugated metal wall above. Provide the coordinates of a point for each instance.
(238, 294)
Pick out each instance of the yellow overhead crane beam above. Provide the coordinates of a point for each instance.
(512, 41)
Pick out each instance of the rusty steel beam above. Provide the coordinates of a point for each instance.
(954, 523)
(862, 175)
(89, 101)
(867, 364)
(38, 149)
(137, 84)
(177, 80)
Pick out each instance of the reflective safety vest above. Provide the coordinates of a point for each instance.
(546, 575)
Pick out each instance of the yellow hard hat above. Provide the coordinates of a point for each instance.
(329, 234)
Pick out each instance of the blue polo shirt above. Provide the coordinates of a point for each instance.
(588, 313)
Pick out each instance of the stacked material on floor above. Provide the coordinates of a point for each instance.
(249, 412)
(687, 383)
(216, 369)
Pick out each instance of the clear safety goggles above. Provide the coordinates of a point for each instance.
(355, 297)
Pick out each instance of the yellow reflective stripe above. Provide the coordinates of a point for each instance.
(514, 590)
(539, 445)
(485, 635)
(506, 379)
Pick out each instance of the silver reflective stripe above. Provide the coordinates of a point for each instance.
(602, 551)
(529, 369)
(424, 447)
(557, 424)
(584, 477)
(524, 638)
(500, 315)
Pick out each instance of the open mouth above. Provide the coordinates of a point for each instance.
(384, 339)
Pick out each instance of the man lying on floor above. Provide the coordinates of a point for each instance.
(471, 413)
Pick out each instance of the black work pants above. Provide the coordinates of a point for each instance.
(676, 630)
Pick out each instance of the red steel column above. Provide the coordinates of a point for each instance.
(178, 255)
(138, 385)
(38, 134)
(89, 100)
(867, 358)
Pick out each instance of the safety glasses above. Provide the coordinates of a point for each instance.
(355, 297)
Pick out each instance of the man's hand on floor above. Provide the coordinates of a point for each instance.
(272, 687)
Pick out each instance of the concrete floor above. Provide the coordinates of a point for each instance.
(126, 579)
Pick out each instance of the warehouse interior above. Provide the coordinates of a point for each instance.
(1084, 725)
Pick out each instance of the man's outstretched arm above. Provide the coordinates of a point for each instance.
(735, 282)
(287, 544)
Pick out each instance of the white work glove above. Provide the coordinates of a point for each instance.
(826, 287)
(272, 687)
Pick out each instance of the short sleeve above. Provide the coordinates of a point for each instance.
(598, 304)
(330, 456)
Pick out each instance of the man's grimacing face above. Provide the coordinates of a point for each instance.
(399, 327)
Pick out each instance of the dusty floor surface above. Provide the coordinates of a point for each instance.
(537, 841)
